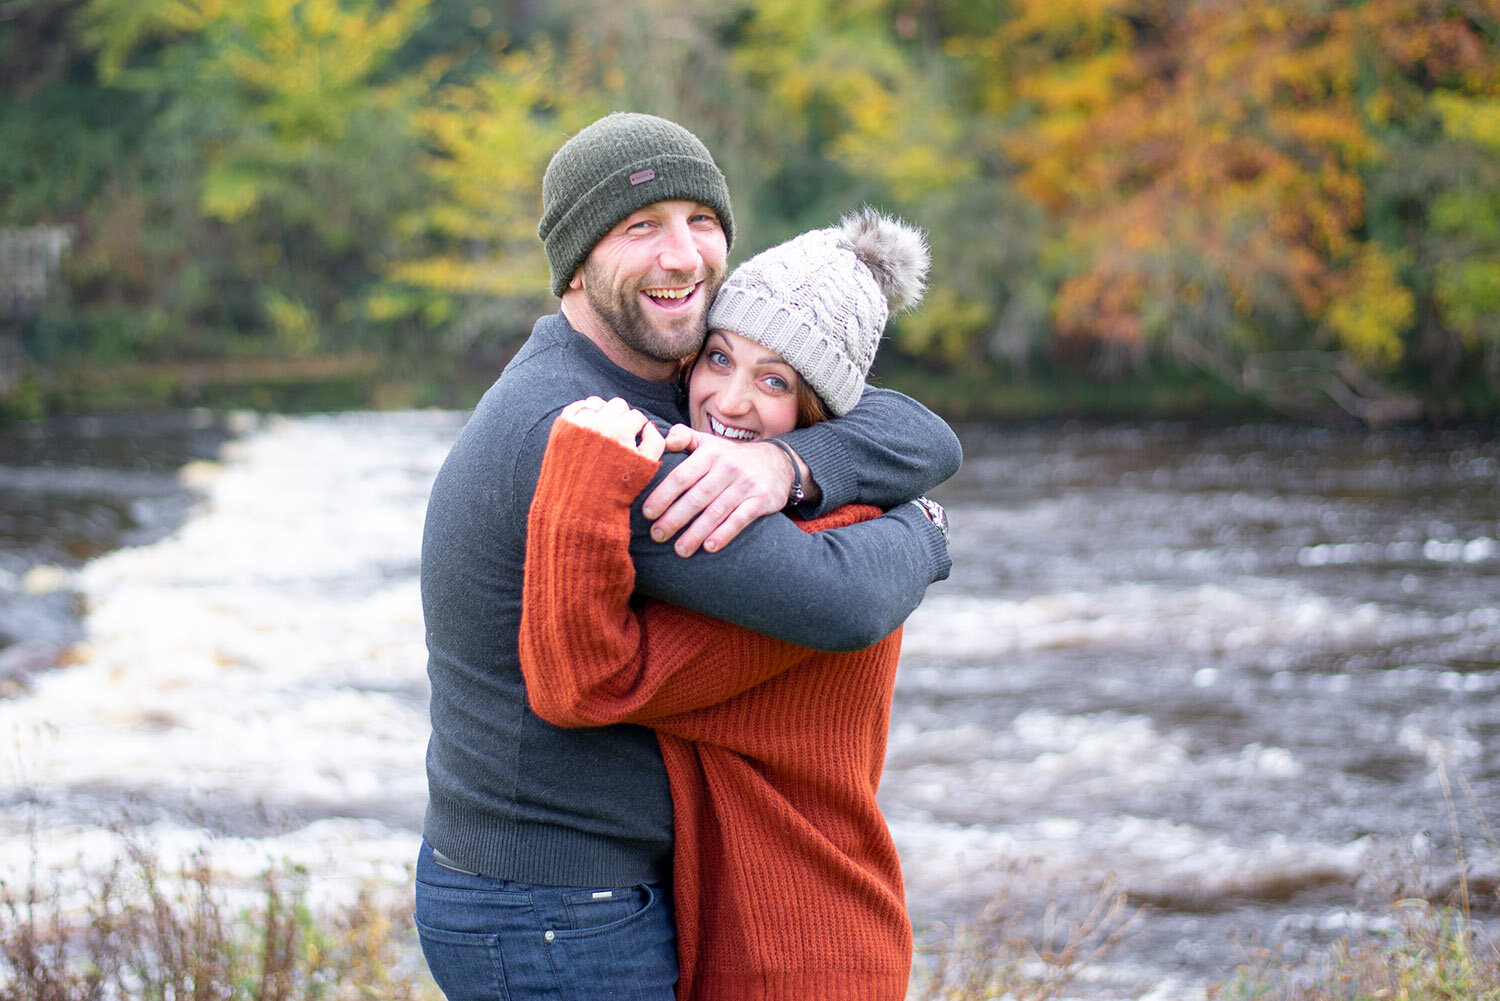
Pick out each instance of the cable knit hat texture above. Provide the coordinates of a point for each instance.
(621, 163)
(821, 300)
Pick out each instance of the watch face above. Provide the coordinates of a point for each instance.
(940, 517)
(935, 513)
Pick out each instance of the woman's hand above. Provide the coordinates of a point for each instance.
(617, 421)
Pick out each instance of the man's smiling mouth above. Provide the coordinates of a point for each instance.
(669, 296)
(733, 434)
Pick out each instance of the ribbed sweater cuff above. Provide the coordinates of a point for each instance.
(939, 559)
(603, 467)
(832, 468)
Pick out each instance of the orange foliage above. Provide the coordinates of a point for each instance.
(1179, 144)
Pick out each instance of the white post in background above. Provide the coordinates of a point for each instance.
(29, 263)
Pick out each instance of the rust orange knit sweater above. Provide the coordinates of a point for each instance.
(786, 881)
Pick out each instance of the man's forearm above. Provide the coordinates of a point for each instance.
(837, 590)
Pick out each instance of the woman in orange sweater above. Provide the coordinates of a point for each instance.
(786, 879)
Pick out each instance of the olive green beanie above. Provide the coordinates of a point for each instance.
(621, 163)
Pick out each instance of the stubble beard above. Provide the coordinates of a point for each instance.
(671, 341)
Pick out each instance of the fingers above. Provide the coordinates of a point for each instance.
(671, 488)
(715, 492)
(575, 413)
(681, 438)
(731, 526)
(699, 510)
(652, 444)
(719, 523)
(618, 421)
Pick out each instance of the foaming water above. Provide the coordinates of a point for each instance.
(256, 679)
(1232, 671)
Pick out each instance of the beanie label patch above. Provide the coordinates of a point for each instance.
(642, 176)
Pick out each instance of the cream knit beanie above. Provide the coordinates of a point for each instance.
(821, 300)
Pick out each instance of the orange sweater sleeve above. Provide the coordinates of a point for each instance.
(591, 655)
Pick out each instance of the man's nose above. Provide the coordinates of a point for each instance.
(679, 251)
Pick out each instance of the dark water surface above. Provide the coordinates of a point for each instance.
(1247, 671)
(72, 489)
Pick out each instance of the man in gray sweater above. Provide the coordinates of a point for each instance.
(546, 850)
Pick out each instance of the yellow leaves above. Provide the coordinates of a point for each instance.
(302, 47)
(116, 27)
(1471, 119)
(229, 194)
(1221, 138)
(294, 326)
(1066, 20)
(1084, 85)
(312, 59)
(1326, 129)
(1372, 309)
(488, 275)
(944, 327)
(834, 68)
(491, 142)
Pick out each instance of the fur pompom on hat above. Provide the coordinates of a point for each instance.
(821, 300)
(620, 163)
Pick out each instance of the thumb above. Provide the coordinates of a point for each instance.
(681, 438)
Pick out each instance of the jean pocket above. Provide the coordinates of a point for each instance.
(626, 940)
(466, 966)
(590, 910)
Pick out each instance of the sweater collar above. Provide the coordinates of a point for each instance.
(661, 398)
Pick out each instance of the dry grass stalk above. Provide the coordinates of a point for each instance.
(1004, 953)
(143, 936)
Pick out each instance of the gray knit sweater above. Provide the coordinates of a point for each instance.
(514, 797)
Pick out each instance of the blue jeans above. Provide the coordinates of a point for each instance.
(494, 940)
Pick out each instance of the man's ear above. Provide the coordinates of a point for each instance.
(576, 282)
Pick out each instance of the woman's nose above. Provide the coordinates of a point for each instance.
(735, 399)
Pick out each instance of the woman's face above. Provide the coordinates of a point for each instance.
(740, 390)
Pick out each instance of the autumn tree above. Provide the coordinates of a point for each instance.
(1204, 169)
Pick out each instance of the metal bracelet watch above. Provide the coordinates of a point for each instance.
(935, 514)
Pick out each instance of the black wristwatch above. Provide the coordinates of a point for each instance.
(935, 514)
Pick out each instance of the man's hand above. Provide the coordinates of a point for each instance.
(722, 487)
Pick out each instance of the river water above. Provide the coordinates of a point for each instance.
(1250, 675)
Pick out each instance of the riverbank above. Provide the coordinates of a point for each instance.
(977, 392)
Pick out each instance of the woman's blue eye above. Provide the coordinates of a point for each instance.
(716, 357)
(777, 383)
